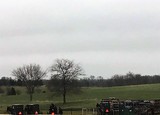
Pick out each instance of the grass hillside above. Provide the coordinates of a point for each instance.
(87, 98)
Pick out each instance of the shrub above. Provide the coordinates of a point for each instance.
(43, 91)
(1, 90)
(11, 91)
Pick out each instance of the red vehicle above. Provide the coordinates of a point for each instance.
(108, 106)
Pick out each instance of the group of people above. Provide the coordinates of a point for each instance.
(54, 109)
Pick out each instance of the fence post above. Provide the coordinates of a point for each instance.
(83, 110)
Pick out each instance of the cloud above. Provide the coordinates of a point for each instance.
(45, 44)
(37, 17)
(107, 37)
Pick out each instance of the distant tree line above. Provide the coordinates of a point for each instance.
(92, 81)
(119, 80)
(8, 81)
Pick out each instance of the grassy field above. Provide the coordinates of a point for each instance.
(86, 99)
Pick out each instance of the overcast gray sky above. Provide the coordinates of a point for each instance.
(105, 37)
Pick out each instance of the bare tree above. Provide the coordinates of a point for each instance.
(30, 75)
(65, 74)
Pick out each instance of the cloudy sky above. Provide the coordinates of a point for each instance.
(105, 37)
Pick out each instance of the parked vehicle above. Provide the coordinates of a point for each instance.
(128, 107)
(32, 109)
(108, 106)
(15, 109)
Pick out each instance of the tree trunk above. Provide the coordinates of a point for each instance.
(64, 95)
(30, 96)
(64, 89)
(64, 98)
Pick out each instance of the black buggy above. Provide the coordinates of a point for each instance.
(15, 109)
(32, 109)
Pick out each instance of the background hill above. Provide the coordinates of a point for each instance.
(88, 97)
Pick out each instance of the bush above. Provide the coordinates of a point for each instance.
(43, 91)
(11, 91)
(1, 90)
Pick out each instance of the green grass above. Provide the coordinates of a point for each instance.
(86, 99)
